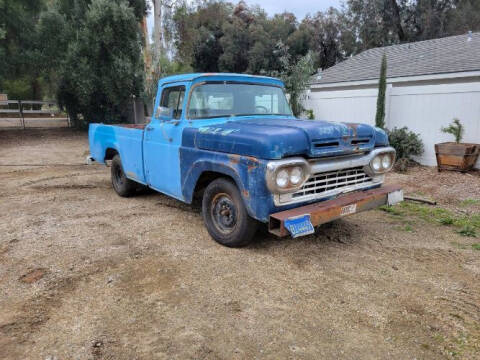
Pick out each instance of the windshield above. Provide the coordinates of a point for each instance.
(235, 99)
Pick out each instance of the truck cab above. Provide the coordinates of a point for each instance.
(232, 140)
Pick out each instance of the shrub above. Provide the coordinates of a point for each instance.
(456, 129)
(406, 143)
(310, 114)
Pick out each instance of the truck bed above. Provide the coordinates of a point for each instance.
(124, 139)
(132, 126)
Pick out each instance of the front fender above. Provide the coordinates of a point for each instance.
(247, 172)
(202, 166)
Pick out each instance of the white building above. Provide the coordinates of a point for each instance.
(428, 84)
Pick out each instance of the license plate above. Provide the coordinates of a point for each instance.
(395, 197)
(348, 209)
(299, 225)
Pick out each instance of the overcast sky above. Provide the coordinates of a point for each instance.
(299, 7)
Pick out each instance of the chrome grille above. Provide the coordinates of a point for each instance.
(323, 183)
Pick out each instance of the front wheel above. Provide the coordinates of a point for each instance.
(225, 214)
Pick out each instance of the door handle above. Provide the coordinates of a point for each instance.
(150, 129)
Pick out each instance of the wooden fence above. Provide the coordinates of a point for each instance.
(31, 113)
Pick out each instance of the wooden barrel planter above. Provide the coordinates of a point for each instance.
(456, 156)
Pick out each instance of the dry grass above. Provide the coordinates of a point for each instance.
(139, 278)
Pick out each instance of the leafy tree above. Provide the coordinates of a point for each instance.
(387, 22)
(236, 40)
(296, 76)
(162, 67)
(198, 31)
(19, 75)
(94, 51)
(259, 54)
(365, 17)
(382, 87)
(465, 17)
(330, 37)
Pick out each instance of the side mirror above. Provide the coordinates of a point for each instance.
(164, 113)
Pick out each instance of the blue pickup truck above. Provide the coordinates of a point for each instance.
(232, 140)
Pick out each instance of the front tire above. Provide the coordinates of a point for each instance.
(225, 215)
(121, 184)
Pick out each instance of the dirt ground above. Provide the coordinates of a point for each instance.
(85, 274)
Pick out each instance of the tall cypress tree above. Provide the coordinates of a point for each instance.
(382, 87)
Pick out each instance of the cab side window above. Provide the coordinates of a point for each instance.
(172, 98)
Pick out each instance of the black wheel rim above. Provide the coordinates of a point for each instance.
(224, 213)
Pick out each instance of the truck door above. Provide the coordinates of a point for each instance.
(163, 137)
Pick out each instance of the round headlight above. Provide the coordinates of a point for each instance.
(386, 162)
(296, 175)
(377, 163)
(282, 178)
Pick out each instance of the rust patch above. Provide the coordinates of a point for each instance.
(33, 276)
(251, 158)
(252, 163)
(234, 159)
(246, 193)
(353, 126)
(251, 167)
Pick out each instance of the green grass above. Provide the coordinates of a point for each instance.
(446, 221)
(476, 246)
(459, 246)
(468, 230)
(465, 225)
(469, 202)
(391, 210)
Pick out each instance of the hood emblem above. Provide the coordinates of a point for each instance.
(219, 131)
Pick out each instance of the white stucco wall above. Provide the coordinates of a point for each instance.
(424, 107)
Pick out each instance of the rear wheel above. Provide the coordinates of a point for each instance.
(225, 214)
(121, 184)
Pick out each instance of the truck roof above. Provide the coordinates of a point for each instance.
(220, 76)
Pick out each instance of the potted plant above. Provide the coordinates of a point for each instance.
(456, 155)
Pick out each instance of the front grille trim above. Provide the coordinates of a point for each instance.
(330, 183)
